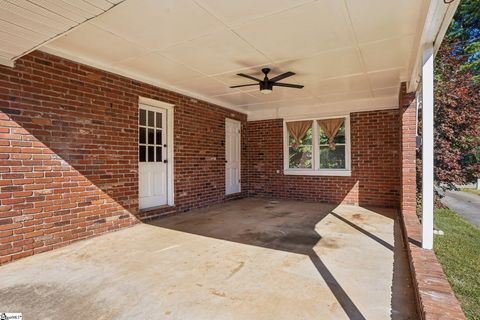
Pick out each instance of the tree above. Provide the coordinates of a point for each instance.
(457, 119)
(457, 101)
(464, 34)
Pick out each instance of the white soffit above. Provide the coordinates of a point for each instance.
(346, 52)
(27, 24)
(435, 20)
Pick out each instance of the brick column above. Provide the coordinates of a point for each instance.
(408, 110)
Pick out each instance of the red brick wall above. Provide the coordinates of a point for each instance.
(68, 153)
(69, 160)
(375, 178)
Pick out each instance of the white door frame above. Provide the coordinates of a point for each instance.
(169, 114)
(239, 154)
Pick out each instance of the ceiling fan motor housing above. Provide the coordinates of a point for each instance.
(266, 85)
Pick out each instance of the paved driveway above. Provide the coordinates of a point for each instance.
(246, 259)
(465, 204)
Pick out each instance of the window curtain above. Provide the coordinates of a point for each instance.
(330, 127)
(298, 130)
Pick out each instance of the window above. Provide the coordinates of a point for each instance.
(317, 146)
(332, 158)
(300, 156)
(150, 133)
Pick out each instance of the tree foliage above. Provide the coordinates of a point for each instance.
(457, 119)
(457, 100)
(464, 35)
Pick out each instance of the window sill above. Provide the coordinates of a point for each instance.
(342, 173)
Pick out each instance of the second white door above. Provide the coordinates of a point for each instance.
(232, 156)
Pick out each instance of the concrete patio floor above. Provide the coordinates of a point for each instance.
(245, 259)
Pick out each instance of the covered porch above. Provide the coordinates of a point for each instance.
(347, 58)
(117, 113)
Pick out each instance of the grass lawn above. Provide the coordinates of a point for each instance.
(459, 253)
(474, 191)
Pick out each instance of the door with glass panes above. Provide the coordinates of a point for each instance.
(152, 150)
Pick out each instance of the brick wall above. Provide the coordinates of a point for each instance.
(69, 158)
(375, 179)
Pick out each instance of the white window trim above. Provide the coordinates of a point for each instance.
(316, 171)
(147, 102)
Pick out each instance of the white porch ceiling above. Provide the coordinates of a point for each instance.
(341, 50)
(25, 24)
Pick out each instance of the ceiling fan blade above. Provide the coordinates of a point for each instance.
(249, 77)
(282, 76)
(288, 85)
(245, 85)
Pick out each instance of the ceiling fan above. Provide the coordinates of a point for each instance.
(266, 85)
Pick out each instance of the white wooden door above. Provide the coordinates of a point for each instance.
(152, 150)
(232, 156)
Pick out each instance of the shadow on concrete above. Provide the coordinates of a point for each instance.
(365, 232)
(289, 227)
(342, 297)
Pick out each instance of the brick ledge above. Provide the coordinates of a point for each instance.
(435, 297)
